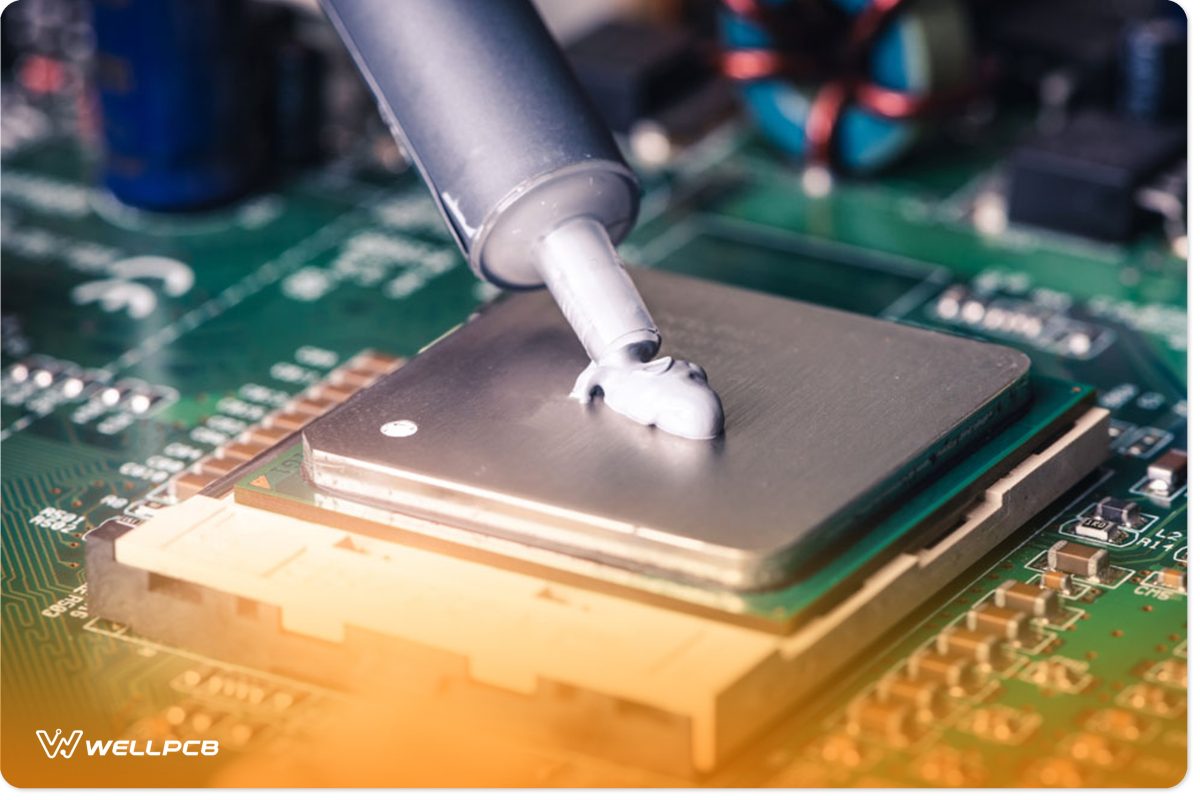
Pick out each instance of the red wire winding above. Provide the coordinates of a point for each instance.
(851, 88)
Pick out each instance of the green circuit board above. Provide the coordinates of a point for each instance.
(241, 308)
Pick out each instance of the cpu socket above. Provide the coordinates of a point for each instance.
(463, 526)
(831, 417)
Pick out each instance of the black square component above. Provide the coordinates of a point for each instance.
(1083, 179)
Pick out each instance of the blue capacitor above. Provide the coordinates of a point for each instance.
(1154, 70)
(173, 101)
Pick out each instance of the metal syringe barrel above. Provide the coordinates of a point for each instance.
(495, 121)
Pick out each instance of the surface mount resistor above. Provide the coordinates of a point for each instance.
(1167, 473)
(1172, 578)
(1122, 512)
(951, 671)
(1056, 581)
(1096, 528)
(1033, 600)
(978, 646)
(1007, 623)
(926, 696)
(886, 719)
(1077, 559)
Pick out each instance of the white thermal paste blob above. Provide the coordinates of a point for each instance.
(670, 394)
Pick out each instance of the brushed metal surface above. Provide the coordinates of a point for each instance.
(830, 416)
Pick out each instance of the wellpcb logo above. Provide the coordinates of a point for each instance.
(64, 746)
(59, 745)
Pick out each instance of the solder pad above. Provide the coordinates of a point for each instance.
(830, 416)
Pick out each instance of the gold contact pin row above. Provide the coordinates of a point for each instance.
(343, 383)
